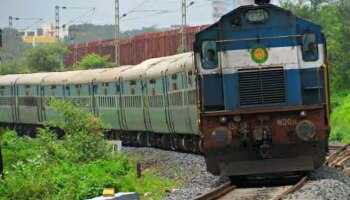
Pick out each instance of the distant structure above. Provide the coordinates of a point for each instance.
(44, 35)
(238, 3)
(219, 9)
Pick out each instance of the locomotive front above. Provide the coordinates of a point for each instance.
(263, 91)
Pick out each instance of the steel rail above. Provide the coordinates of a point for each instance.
(292, 189)
(217, 192)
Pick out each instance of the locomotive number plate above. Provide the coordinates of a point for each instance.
(287, 122)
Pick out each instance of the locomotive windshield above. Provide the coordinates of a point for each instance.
(209, 52)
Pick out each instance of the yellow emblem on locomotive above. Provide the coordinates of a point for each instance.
(259, 55)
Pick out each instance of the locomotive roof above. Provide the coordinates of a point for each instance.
(239, 9)
(112, 74)
(85, 76)
(170, 64)
(32, 79)
(9, 79)
(59, 78)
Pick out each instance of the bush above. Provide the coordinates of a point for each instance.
(93, 61)
(84, 139)
(340, 118)
(77, 167)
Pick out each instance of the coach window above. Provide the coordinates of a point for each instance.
(209, 55)
(309, 47)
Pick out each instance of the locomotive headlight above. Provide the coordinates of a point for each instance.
(306, 130)
(222, 119)
(303, 114)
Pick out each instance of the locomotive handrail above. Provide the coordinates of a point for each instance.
(319, 85)
(326, 77)
(258, 38)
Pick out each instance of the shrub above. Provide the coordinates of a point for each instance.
(77, 167)
(93, 61)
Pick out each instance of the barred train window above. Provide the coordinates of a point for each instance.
(209, 55)
(309, 47)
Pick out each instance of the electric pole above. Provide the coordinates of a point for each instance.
(116, 34)
(57, 22)
(10, 21)
(183, 28)
(1, 164)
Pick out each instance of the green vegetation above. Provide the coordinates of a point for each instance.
(46, 58)
(93, 61)
(77, 167)
(340, 119)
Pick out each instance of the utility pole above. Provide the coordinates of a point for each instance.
(57, 22)
(183, 28)
(1, 164)
(10, 21)
(116, 34)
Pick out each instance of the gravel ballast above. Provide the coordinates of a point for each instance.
(326, 183)
(180, 166)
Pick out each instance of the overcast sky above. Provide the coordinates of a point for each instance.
(198, 14)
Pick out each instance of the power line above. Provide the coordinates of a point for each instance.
(89, 12)
(141, 4)
(162, 13)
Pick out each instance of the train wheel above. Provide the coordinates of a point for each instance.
(152, 139)
(166, 141)
(197, 142)
(200, 145)
(184, 143)
(176, 143)
(141, 139)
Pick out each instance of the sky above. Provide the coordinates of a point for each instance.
(144, 16)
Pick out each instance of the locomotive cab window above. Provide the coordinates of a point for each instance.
(209, 55)
(309, 47)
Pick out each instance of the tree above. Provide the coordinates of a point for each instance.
(13, 47)
(13, 67)
(93, 61)
(46, 58)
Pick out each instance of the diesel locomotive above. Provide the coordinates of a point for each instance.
(253, 96)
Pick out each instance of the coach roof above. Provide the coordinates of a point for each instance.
(9, 79)
(32, 79)
(85, 76)
(111, 74)
(59, 78)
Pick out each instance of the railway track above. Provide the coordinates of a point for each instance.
(228, 191)
(340, 158)
(340, 155)
(335, 147)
